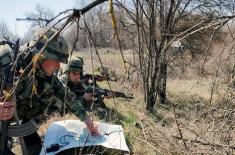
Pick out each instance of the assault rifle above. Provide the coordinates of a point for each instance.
(103, 92)
(87, 79)
(96, 77)
(99, 94)
(6, 85)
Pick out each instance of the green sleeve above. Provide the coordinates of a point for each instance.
(72, 101)
(76, 107)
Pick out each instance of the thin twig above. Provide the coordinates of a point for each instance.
(143, 131)
(180, 132)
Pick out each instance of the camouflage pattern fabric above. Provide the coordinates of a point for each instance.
(50, 92)
(99, 108)
(73, 88)
(48, 98)
(57, 49)
(5, 55)
(5, 58)
(76, 64)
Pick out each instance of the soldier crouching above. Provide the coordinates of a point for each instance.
(73, 73)
(34, 90)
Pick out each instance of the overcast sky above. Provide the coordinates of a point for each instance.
(12, 9)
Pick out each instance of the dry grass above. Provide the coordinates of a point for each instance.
(189, 87)
(206, 128)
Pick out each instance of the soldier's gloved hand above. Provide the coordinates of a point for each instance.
(92, 127)
(7, 110)
(88, 97)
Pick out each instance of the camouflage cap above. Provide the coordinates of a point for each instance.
(76, 64)
(57, 49)
(5, 55)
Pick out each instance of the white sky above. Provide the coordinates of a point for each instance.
(12, 9)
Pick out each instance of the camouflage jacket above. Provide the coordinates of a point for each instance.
(49, 94)
(80, 89)
(72, 86)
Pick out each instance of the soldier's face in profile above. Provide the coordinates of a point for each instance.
(49, 66)
(74, 76)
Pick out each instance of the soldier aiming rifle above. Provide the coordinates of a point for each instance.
(73, 77)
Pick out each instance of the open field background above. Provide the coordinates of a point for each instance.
(188, 124)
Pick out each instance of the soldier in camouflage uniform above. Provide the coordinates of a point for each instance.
(73, 73)
(7, 109)
(40, 85)
(5, 58)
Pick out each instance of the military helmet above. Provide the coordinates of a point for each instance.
(57, 49)
(5, 55)
(76, 64)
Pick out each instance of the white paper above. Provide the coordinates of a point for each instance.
(73, 133)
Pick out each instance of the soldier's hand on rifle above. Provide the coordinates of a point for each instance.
(92, 127)
(88, 97)
(7, 110)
